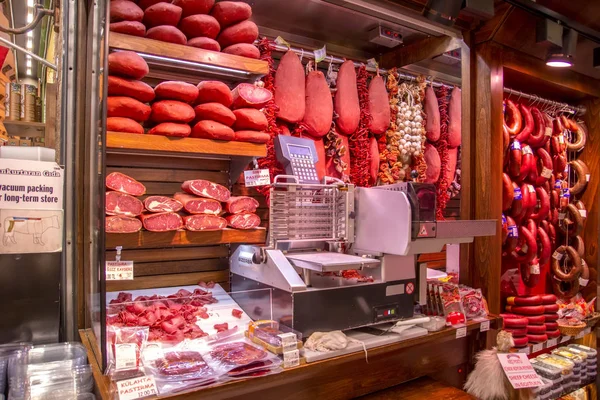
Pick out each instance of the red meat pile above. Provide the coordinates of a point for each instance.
(121, 206)
(531, 319)
(199, 23)
(171, 318)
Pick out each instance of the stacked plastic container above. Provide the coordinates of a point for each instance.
(590, 370)
(55, 371)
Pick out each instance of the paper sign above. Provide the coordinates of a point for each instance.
(519, 371)
(119, 270)
(34, 185)
(291, 358)
(257, 177)
(565, 339)
(461, 332)
(537, 347)
(551, 343)
(137, 388)
(485, 326)
(30, 231)
(587, 177)
(282, 41)
(320, 54)
(125, 355)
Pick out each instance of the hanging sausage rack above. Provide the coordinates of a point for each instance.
(580, 110)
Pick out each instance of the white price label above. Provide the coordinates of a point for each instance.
(485, 326)
(525, 350)
(126, 355)
(282, 41)
(583, 213)
(562, 215)
(137, 388)
(119, 270)
(534, 269)
(519, 371)
(583, 282)
(531, 188)
(152, 351)
(320, 54)
(461, 332)
(257, 177)
(552, 343)
(587, 177)
(289, 341)
(565, 339)
(527, 150)
(538, 347)
(557, 256)
(291, 358)
(546, 173)
(548, 132)
(580, 334)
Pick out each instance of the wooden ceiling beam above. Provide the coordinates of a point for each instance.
(489, 28)
(424, 49)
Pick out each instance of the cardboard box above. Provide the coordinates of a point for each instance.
(25, 142)
(38, 144)
(13, 141)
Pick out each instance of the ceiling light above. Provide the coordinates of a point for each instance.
(559, 61)
(28, 63)
(29, 44)
(29, 17)
(442, 11)
(563, 57)
(28, 71)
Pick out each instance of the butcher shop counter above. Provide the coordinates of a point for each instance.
(347, 376)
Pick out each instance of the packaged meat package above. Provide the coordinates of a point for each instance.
(346, 102)
(122, 183)
(118, 203)
(214, 92)
(162, 14)
(162, 204)
(319, 105)
(200, 25)
(242, 32)
(234, 354)
(198, 205)
(203, 188)
(125, 341)
(166, 33)
(252, 137)
(120, 224)
(243, 221)
(178, 370)
(212, 130)
(125, 10)
(133, 28)
(243, 50)
(172, 111)
(126, 125)
(128, 64)
(379, 106)
(290, 88)
(204, 222)
(246, 95)
(432, 110)
(241, 204)
(193, 7)
(176, 90)
(138, 90)
(126, 107)
(162, 222)
(204, 43)
(215, 112)
(171, 129)
(231, 12)
(250, 119)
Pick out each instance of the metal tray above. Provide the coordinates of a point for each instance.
(324, 261)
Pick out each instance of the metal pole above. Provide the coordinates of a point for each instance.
(573, 109)
(32, 55)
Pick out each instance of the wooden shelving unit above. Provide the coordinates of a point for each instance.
(24, 128)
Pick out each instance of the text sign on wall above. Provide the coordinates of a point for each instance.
(28, 184)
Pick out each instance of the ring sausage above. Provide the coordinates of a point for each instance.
(524, 301)
(512, 118)
(559, 162)
(558, 144)
(513, 236)
(564, 290)
(542, 170)
(514, 322)
(517, 204)
(530, 273)
(557, 127)
(517, 332)
(577, 243)
(551, 317)
(573, 223)
(538, 137)
(505, 138)
(507, 192)
(544, 209)
(582, 172)
(520, 341)
(544, 246)
(580, 138)
(551, 326)
(515, 155)
(528, 163)
(527, 239)
(525, 310)
(523, 136)
(575, 260)
(504, 229)
(552, 334)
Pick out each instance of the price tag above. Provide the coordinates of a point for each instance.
(538, 347)
(371, 62)
(587, 331)
(257, 177)
(583, 282)
(291, 358)
(518, 195)
(531, 188)
(587, 177)
(126, 355)
(557, 256)
(119, 270)
(513, 231)
(534, 269)
(562, 215)
(525, 350)
(527, 150)
(561, 139)
(565, 339)
(546, 173)
(289, 341)
(519, 371)
(152, 351)
(583, 213)
(320, 54)
(281, 41)
(557, 184)
(137, 388)
(484, 326)
(461, 332)
(548, 132)
(551, 343)
(580, 334)
(515, 145)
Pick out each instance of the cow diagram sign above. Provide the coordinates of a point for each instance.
(31, 202)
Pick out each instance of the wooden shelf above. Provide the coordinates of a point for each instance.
(24, 128)
(153, 240)
(170, 54)
(144, 143)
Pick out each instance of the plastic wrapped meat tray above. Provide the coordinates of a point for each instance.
(231, 355)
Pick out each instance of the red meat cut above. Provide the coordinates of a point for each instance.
(214, 92)
(162, 204)
(128, 64)
(231, 12)
(198, 205)
(124, 184)
(241, 204)
(133, 28)
(204, 222)
(346, 102)
(118, 203)
(120, 224)
(243, 221)
(176, 90)
(138, 90)
(204, 43)
(203, 188)
(290, 88)
(246, 95)
(162, 222)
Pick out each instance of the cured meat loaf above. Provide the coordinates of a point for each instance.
(128, 64)
(122, 183)
(133, 28)
(166, 33)
(125, 10)
(126, 125)
(243, 50)
(212, 130)
(198, 205)
(241, 204)
(551, 308)
(379, 106)
(252, 137)
(432, 111)
(172, 111)
(346, 102)
(147, 3)
(162, 14)
(192, 7)
(214, 92)
(126, 107)
(242, 32)
(162, 222)
(117, 203)
(171, 129)
(176, 90)
(553, 334)
(231, 12)
(121, 224)
(454, 112)
(246, 95)
(200, 25)
(203, 222)
(162, 204)
(204, 43)
(450, 169)
(203, 188)
(551, 326)
(249, 119)
(318, 114)
(551, 317)
(217, 112)
(375, 159)
(243, 221)
(138, 90)
(290, 88)
(434, 164)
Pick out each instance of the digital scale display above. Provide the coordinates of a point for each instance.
(300, 150)
(298, 156)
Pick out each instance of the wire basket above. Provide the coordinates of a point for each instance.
(572, 330)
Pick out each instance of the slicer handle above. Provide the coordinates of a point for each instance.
(327, 179)
(293, 177)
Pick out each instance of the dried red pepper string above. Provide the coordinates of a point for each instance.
(442, 147)
(388, 159)
(360, 157)
(270, 110)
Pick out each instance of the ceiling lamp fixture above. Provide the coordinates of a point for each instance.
(442, 11)
(28, 71)
(564, 56)
(559, 60)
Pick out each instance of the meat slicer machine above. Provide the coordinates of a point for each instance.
(340, 257)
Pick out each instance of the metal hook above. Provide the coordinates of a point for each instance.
(38, 13)
(301, 55)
